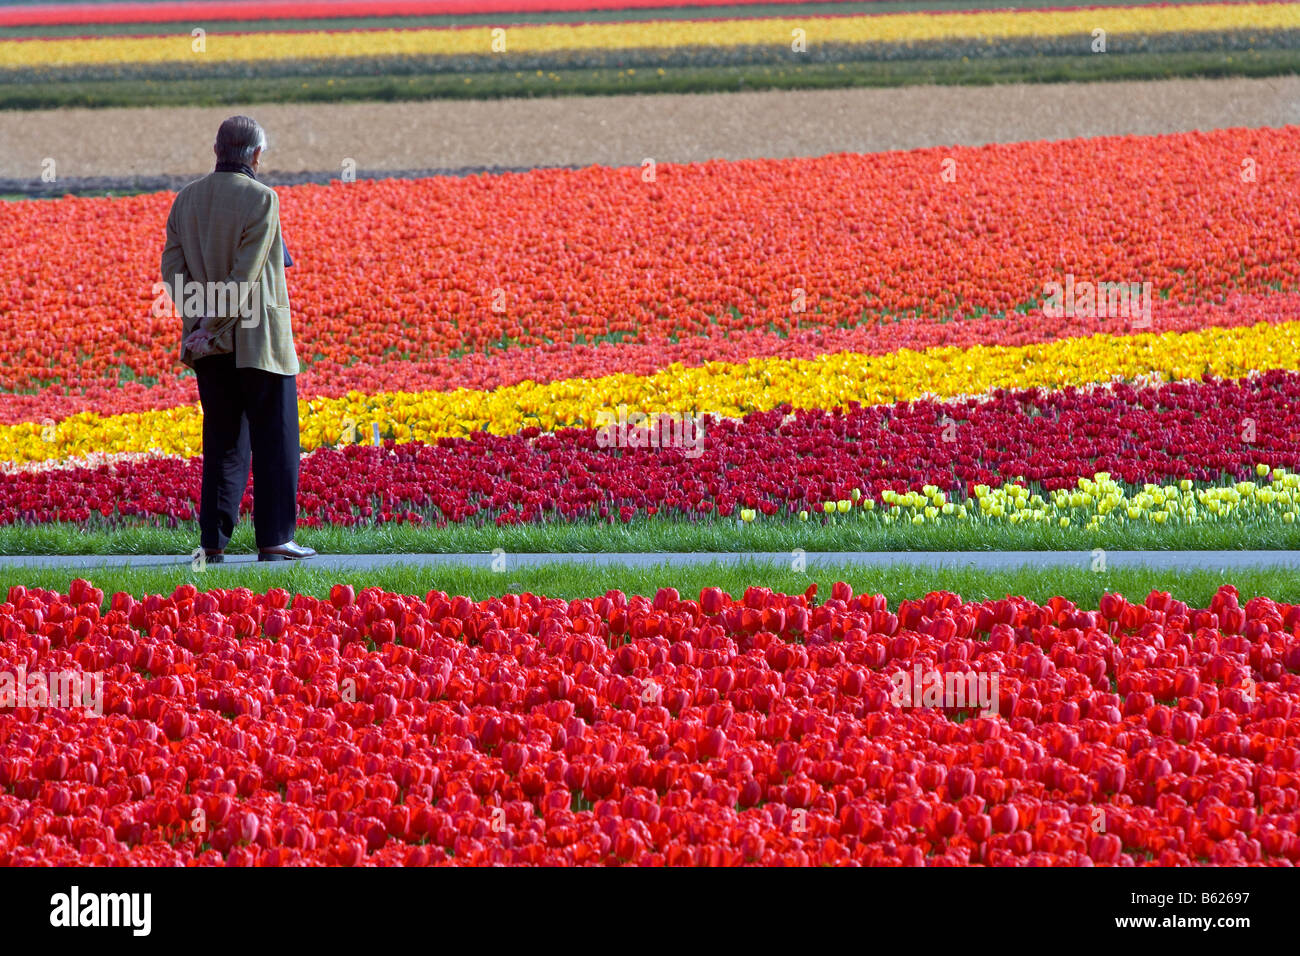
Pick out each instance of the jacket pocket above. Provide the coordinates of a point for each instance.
(279, 323)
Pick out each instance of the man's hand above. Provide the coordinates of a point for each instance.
(199, 343)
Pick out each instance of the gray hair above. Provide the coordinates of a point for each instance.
(238, 138)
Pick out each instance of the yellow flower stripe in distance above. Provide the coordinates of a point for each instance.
(719, 388)
(881, 28)
(1093, 503)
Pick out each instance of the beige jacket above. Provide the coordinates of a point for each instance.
(225, 251)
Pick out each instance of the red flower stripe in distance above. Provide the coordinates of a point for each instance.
(765, 728)
(772, 462)
(59, 14)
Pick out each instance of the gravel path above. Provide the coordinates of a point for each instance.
(148, 143)
(981, 560)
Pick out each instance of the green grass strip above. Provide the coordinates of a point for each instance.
(570, 581)
(628, 61)
(596, 82)
(661, 534)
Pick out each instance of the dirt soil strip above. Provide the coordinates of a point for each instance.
(151, 142)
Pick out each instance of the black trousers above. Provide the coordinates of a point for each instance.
(247, 412)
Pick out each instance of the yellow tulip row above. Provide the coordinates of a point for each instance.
(881, 28)
(1095, 502)
(716, 388)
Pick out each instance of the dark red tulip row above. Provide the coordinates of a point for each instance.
(272, 729)
(1205, 431)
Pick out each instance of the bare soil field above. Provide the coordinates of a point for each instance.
(162, 146)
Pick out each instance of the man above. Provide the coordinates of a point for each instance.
(223, 239)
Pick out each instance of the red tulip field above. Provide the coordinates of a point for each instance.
(374, 727)
(675, 506)
(853, 376)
